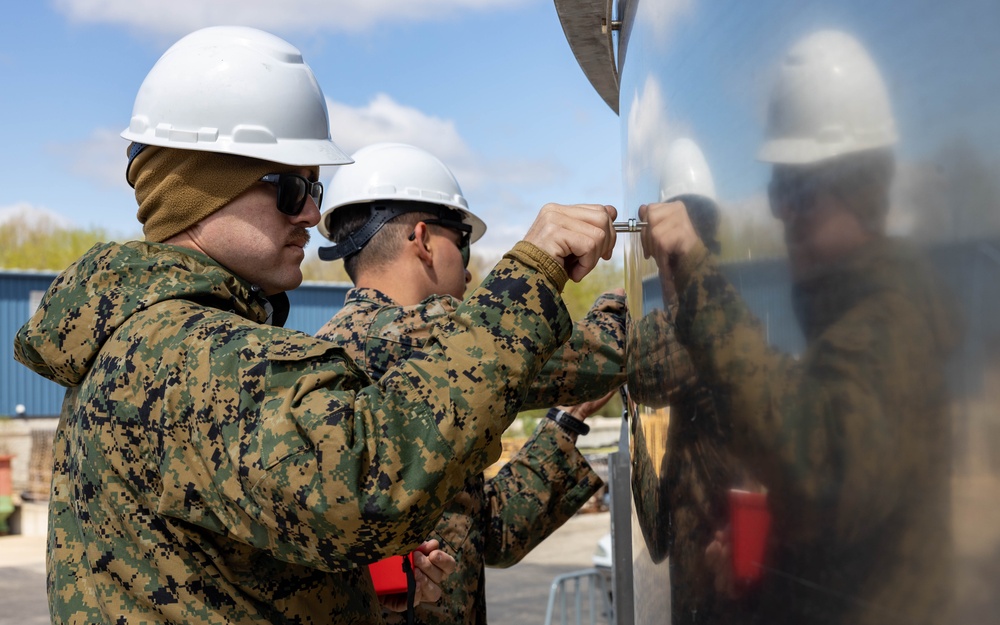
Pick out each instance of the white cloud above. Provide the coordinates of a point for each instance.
(664, 15)
(384, 119)
(33, 215)
(651, 131)
(498, 190)
(182, 16)
(99, 158)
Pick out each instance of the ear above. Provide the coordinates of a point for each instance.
(421, 242)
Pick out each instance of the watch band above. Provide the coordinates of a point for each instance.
(568, 422)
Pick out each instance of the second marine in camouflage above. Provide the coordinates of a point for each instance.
(492, 521)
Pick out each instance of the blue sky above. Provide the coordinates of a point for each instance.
(489, 86)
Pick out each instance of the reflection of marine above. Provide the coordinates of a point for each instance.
(492, 522)
(852, 441)
(680, 508)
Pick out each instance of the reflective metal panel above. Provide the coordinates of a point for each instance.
(814, 352)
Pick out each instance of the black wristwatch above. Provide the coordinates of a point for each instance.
(568, 422)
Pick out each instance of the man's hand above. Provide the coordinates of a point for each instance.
(430, 566)
(577, 235)
(668, 234)
(587, 408)
(718, 559)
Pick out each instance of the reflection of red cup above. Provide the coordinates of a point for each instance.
(388, 575)
(750, 524)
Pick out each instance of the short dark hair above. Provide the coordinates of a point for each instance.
(704, 215)
(384, 246)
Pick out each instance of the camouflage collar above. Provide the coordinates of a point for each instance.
(361, 295)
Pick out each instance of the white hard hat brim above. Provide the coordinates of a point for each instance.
(304, 152)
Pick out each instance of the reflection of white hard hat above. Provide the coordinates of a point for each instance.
(396, 171)
(685, 172)
(235, 90)
(829, 100)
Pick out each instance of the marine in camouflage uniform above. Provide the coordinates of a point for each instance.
(851, 440)
(210, 468)
(852, 437)
(496, 521)
(680, 507)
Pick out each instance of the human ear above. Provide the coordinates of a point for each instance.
(421, 241)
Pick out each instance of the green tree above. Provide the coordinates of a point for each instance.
(580, 296)
(316, 270)
(41, 243)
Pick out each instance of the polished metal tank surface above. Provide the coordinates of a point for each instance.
(833, 345)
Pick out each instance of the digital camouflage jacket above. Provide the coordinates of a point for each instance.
(379, 333)
(213, 469)
(496, 522)
(852, 439)
(681, 504)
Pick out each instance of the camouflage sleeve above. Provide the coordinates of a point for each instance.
(590, 364)
(659, 369)
(652, 505)
(824, 434)
(538, 490)
(301, 455)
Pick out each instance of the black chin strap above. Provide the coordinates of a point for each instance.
(381, 214)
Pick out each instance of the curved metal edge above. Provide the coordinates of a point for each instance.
(589, 31)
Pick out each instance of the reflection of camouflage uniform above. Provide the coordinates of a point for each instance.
(212, 469)
(680, 510)
(852, 440)
(498, 521)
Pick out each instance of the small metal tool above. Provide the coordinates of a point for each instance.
(632, 225)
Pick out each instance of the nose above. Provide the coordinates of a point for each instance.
(468, 276)
(309, 216)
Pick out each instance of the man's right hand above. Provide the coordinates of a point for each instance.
(576, 236)
(668, 234)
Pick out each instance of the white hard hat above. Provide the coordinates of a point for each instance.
(829, 100)
(396, 171)
(685, 172)
(235, 90)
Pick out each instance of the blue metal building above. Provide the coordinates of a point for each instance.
(20, 291)
(971, 268)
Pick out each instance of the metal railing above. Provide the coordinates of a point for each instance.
(580, 595)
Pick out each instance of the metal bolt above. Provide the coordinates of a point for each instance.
(632, 225)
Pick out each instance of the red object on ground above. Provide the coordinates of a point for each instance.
(751, 522)
(388, 575)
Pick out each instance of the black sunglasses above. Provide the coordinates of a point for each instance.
(293, 190)
(465, 235)
(794, 192)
